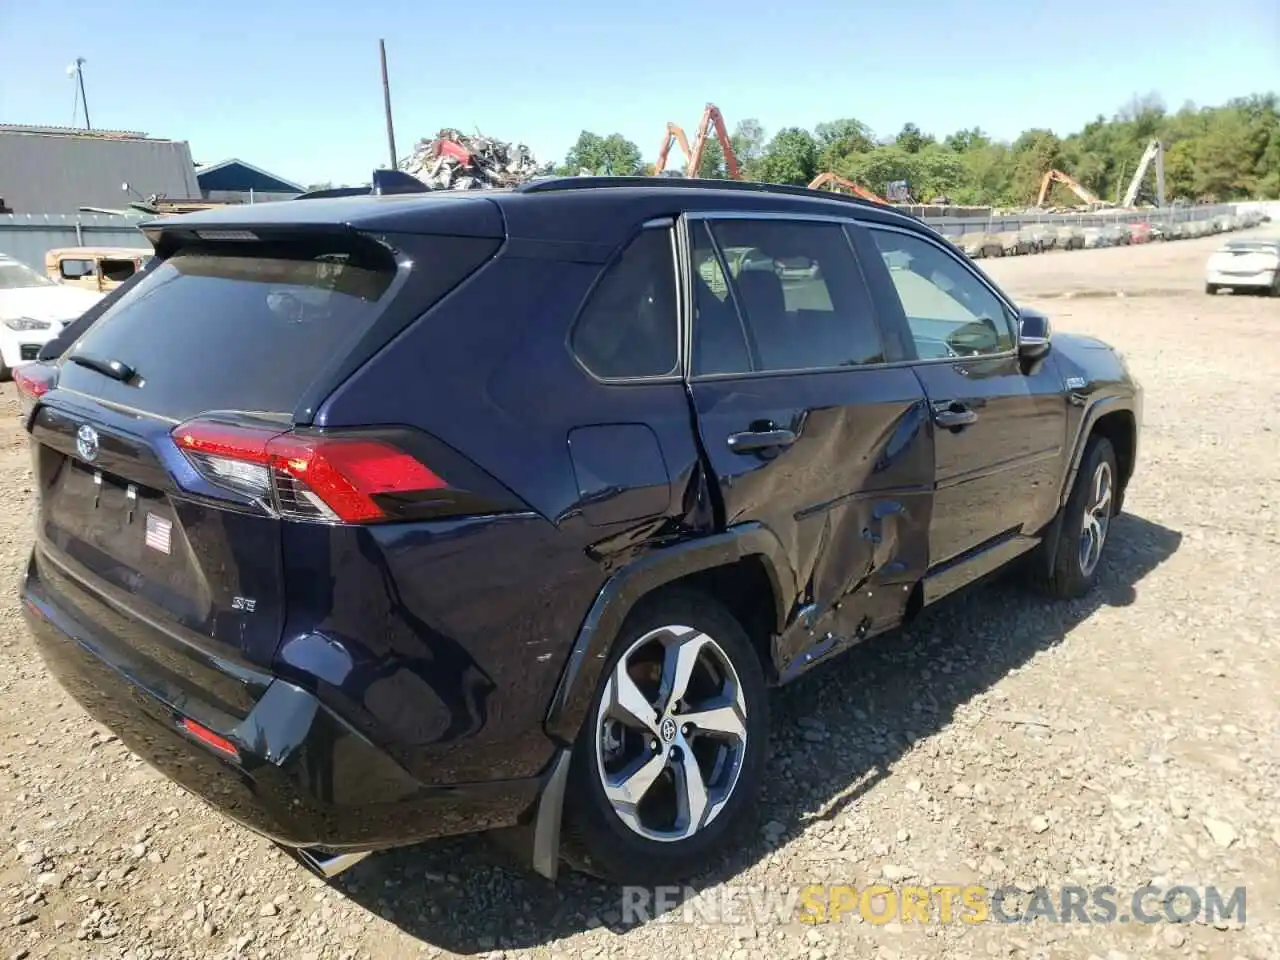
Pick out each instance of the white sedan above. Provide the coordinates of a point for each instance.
(33, 310)
(1244, 264)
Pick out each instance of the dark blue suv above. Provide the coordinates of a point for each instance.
(372, 519)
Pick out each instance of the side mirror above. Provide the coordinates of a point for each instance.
(1035, 334)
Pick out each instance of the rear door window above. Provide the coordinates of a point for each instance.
(249, 327)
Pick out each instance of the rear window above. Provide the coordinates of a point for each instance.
(230, 328)
(213, 329)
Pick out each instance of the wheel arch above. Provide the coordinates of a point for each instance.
(1121, 428)
(744, 567)
(1115, 418)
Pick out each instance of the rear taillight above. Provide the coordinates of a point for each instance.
(328, 479)
(34, 380)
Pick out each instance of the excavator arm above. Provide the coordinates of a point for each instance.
(713, 119)
(1154, 151)
(1044, 188)
(1071, 183)
(674, 134)
(840, 183)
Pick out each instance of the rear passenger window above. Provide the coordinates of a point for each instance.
(779, 295)
(628, 327)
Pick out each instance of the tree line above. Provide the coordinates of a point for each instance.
(1218, 154)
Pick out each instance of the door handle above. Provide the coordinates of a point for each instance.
(751, 440)
(953, 415)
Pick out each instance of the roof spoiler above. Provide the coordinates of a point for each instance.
(383, 183)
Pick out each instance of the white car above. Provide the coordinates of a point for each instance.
(1096, 237)
(33, 310)
(1244, 264)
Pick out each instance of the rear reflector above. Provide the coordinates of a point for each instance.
(329, 479)
(209, 738)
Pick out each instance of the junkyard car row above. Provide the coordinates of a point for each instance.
(1048, 236)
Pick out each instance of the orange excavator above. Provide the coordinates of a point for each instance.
(712, 119)
(1071, 183)
(839, 183)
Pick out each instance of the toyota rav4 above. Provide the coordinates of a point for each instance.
(371, 519)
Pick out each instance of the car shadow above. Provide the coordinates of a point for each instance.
(471, 895)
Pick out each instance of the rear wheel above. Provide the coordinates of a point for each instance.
(1211, 288)
(670, 759)
(1086, 522)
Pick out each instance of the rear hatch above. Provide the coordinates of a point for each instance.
(173, 447)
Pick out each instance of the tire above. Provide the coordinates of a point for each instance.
(1211, 289)
(597, 838)
(1071, 576)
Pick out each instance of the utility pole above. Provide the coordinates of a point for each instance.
(78, 70)
(386, 102)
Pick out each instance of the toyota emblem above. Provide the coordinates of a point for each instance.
(667, 729)
(87, 442)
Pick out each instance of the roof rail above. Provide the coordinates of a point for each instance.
(555, 184)
(333, 192)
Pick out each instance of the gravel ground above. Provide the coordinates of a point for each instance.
(1125, 739)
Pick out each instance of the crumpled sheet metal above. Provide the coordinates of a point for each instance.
(453, 160)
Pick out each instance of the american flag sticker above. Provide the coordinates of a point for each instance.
(159, 532)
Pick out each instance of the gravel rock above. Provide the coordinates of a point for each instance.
(1224, 835)
(1173, 937)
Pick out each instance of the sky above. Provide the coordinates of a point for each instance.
(295, 87)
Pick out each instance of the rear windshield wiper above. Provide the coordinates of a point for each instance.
(114, 369)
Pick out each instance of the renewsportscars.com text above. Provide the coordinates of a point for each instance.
(879, 903)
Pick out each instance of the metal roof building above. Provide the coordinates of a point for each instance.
(61, 169)
(236, 181)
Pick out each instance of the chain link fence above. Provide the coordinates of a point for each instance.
(1001, 223)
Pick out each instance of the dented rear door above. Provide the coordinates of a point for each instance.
(808, 426)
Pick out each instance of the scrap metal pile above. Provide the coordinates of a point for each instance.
(452, 160)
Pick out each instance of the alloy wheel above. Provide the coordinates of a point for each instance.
(1097, 518)
(671, 733)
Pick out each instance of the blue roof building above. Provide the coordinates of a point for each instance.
(240, 182)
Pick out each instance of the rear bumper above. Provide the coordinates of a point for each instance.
(301, 775)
